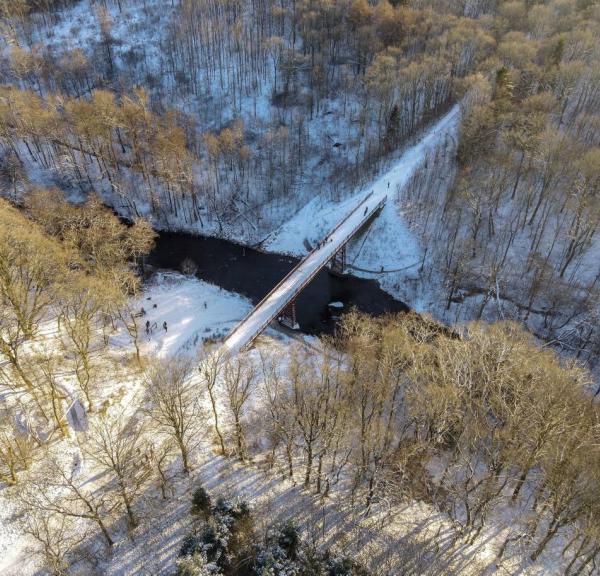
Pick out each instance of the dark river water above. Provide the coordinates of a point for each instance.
(254, 274)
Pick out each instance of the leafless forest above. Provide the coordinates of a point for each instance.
(122, 118)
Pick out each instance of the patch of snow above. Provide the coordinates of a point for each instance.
(194, 311)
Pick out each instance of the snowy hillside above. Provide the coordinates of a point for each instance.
(388, 251)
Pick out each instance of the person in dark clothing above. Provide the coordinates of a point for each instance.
(147, 326)
(366, 210)
(142, 312)
(165, 325)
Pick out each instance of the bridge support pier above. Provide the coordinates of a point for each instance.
(288, 316)
(338, 262)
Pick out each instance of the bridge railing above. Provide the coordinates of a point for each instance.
(297, 289)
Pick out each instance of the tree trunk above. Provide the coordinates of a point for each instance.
(309, 462)
(213, 403)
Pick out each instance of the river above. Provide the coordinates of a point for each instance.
(253, 273)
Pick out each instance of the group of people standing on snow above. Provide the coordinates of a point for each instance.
(150, 327)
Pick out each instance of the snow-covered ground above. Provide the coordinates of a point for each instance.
(388, 250)
(274, 499)
(386, 537)
(193, 310)
(79, 28)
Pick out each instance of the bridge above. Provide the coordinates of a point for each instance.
(280, 301)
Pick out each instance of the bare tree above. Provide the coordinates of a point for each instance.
(239, 382)
(211, 364)
(175, 404)
(60, 488)
(57, 535)
(317, 395)
(161, 457)
(279, 405)
(117, 445)
(16, 449)
(81, 300)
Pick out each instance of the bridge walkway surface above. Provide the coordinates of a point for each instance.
(272, 305)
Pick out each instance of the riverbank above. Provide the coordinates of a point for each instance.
(252, 274)
(387, 252)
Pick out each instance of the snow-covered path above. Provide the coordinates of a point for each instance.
(360, 208)
(321, 214)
